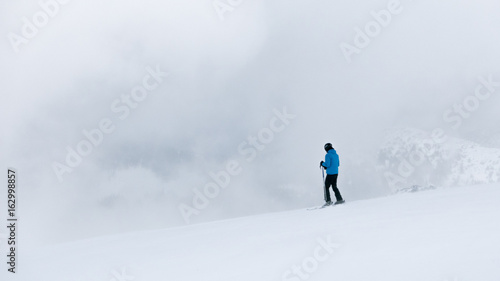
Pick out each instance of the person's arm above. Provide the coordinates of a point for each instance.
(327, 162)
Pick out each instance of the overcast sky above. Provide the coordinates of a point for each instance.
(229, 72)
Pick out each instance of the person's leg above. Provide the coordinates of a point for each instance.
(328, 183)
(335, 189)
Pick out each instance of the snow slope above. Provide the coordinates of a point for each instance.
(443, 234)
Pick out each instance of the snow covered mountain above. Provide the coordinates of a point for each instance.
(414, 157)
(446, 234)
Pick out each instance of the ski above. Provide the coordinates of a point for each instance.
(319, 207)
(324, 206)
(316, 208)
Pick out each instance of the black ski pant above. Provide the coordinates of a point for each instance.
(331, 180)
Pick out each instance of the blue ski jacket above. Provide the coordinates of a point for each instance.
(332, 162)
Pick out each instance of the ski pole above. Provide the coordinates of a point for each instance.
(324, 187)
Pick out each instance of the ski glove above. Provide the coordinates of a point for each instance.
(321, 164)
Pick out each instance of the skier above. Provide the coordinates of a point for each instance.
(331, 164)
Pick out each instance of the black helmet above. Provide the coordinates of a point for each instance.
(328, 146)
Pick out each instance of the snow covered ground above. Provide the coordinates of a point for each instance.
(443, 234)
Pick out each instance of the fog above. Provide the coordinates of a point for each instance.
(229, 73)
